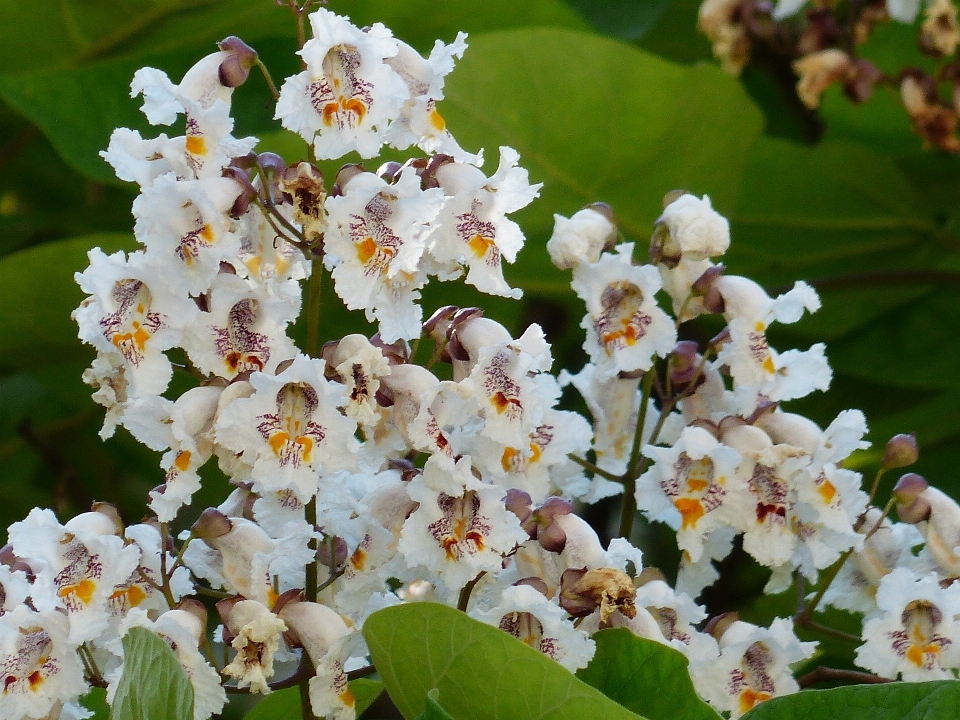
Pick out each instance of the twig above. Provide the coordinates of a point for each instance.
(825, 674)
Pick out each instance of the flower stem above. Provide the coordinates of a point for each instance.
(629, 478)
(825, 674)
(266, 76)
(310, 591)
(313, 315)
(595, 469)
(464, 600)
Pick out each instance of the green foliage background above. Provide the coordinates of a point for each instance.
(611, 100)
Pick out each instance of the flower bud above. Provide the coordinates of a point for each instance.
(344, 175)
(520, 504)
(211, 524)
(536, 583)
(901, 451)
(912, 507)
(235, 69)
(718, 625)
(332, 552)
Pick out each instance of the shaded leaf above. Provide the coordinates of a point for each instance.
(894, 701)
(433, 711)
(621, 18)
(480, 671)
(284, 704)
(644, 676)
(154, 685)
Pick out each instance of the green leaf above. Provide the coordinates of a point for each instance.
(625, 19)
(154, 685)
(644, 676)
(38, 288)
(894, 701)
(433, 711)
(96, 702)
(481, 672)
(596, 119)
(284, 704)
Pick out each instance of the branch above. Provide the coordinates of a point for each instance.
(825, 674)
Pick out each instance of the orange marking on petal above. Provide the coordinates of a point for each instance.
(136, 595)
(537, 452)
(140, 337)
(477, 539)
(36, 679)
(768, 365)
(206, 232)
(507, 460)
(827, 491)
(366, 249)
(307, 445)
(436, 119)
(749, 698)
(760, 327)
(359, 559)
(272, 597)
(690, 510)
(277, 441)
(480, 245)
(347, 698)
(329, 111)
(83, 590)
(183, 460)
(356, 107)
(697, 485)
(196, 145)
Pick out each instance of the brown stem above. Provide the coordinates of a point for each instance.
(825, 674)
(464, 600)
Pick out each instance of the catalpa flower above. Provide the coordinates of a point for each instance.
(265, 257)
(256, 638)
(472, 229)
(694, 488)
(916, 633)
(625, 328)
(183, 429)
(540, 623)
(291, 429)
(374, 243)
(348, 95)
(580, 238)
(76, 566)
(14, 588)
(243, 332)
(131, 313)
(359, 365)
(695, 230)
(420, 123)
(461, 527)
(205, 103)
(40, 666)
(754, 666)
(184, 226)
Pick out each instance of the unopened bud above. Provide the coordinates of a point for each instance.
(520, 504)
(344, 176)
(235, 70)
(672, 196)
(195, 608)
(111, 512)
(211, 524)
(912, 507)
(332, 552)
(389, 170)
(536, 583)
(718, 625)
(901, 451)
(684, 362)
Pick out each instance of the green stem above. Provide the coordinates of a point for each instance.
(595, 469)
(629, 478)
(876, 484)
(266, 76)
(313, 315)
(463, 601)
(310, 592)
(164, 575)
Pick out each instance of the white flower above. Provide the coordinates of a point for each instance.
(625, 328)
(904, 11)
(76, 566)
(238, 560)
(676, 613)
(346, 97)
(461, 527)
(697, 231)
(419, 122)
(244, 330)
(540, 623)
(131, 312)
(694, 488)
(580, 238)
(184, 226)
(14, 588)
(183, 429)
(264, 257)
(855, 586)
(754, 666)
(290, 430)
(41, 668)
(916, 633)
(256, 639)
(472, 228)
(374, 242)
(107, 375)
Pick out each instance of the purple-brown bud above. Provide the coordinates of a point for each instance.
(344, 175)
(901, 451)
(718, 625)
(536, 583)
(520, 504)
(703, 283)
(332, 552)
(235, 70)
(211, 524)
(912, 507)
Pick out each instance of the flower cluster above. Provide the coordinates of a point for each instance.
(365, 479)
(822, 43)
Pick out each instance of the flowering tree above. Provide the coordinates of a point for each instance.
(427, 508)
